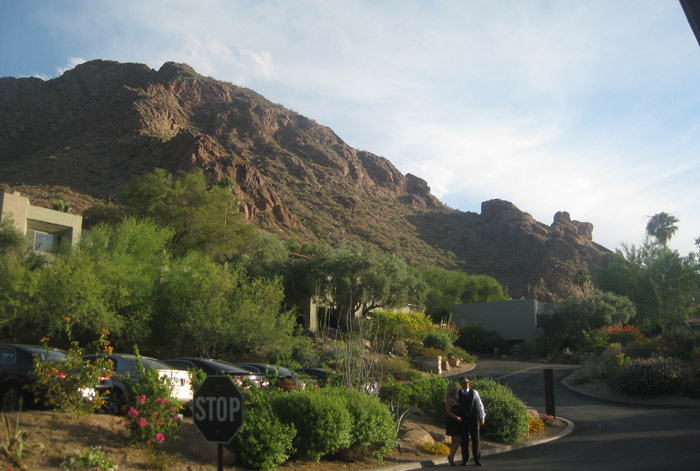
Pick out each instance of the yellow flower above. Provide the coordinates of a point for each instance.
(44, 340)
(66, 320)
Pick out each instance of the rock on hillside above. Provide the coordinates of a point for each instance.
(82, 136)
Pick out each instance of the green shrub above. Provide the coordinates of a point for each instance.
(690, 381)
(439, 339)
(322, 422)
(463, 355)
(429, 395)
(506, 415)
(613, 365)
(263, 441)
(399, 368)
(373, 427)
(650, 377)
(394, 394)
(91, 459)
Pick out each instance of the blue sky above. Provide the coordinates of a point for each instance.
(590, 107)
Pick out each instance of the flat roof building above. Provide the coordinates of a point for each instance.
(45, 228)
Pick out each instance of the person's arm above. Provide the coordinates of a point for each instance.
(479, 407)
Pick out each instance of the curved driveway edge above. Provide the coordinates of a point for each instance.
(491, 451)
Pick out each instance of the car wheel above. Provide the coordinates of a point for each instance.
(115, 404)
(10, 398)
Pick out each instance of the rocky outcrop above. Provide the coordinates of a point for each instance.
(85, 134)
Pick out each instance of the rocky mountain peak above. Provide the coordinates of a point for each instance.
(83, 135)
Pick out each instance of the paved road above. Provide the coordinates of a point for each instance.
(608, 435)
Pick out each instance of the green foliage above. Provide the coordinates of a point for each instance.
(662, 284)
(427, 393)
(216, 310)
(650, 377)
(349, 280)
(387, 328)
(89, 459)
(449, 287)
(152, 415)
(323, 422)
(570, 325)
(61, 383)
(690, 382)
(613, 365)
(507, 419)
(373, 427)
(263, 442)
(204, 219)
(662, 226)
(16, 443)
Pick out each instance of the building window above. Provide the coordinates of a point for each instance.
(43, 242)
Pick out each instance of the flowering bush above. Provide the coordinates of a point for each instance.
(650, 376)
(624, 334)
(68, 384)
(151, 420)
(437, 448)
(547, 420)
(91, 459)
(535, 427)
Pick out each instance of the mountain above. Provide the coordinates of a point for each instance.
(80, 137)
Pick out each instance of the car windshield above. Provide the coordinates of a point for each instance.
(152, 362)
(51, 355)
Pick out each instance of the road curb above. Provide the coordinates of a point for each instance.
(491, 451)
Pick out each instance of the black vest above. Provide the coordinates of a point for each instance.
(466, 404)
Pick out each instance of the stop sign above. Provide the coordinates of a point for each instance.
(218, 409)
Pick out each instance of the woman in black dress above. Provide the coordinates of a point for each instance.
(452, 427)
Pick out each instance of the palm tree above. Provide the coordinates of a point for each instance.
(662, 227)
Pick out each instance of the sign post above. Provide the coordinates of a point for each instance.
(218, 412)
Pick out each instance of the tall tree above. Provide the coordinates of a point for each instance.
(662, 226)
(206, 219)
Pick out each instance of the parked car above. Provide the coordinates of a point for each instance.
(16, 365)
(124, 366)
(216, 367)
(321, 375)
(285, 378)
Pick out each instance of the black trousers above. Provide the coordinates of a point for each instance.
(470, 432)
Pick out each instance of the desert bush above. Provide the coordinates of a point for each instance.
(462, 354)
(690, 380)
(90, 459)
(399, 368)
(373, 427)
(594, 340)
(650, 377)
(624, 334)
(428, 394)
(61, 383)
(322, 421)
(506, 415)
(263, 441)
(680, 342)
(642, 348)
(612, 365)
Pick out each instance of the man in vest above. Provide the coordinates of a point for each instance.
(473, 416)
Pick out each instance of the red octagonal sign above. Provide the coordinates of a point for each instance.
(218, 409)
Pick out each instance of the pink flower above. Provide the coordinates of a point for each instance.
(132, 412)
(142, 399)
(143, 422)
(160, 437)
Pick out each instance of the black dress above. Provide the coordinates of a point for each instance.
(452, 427)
